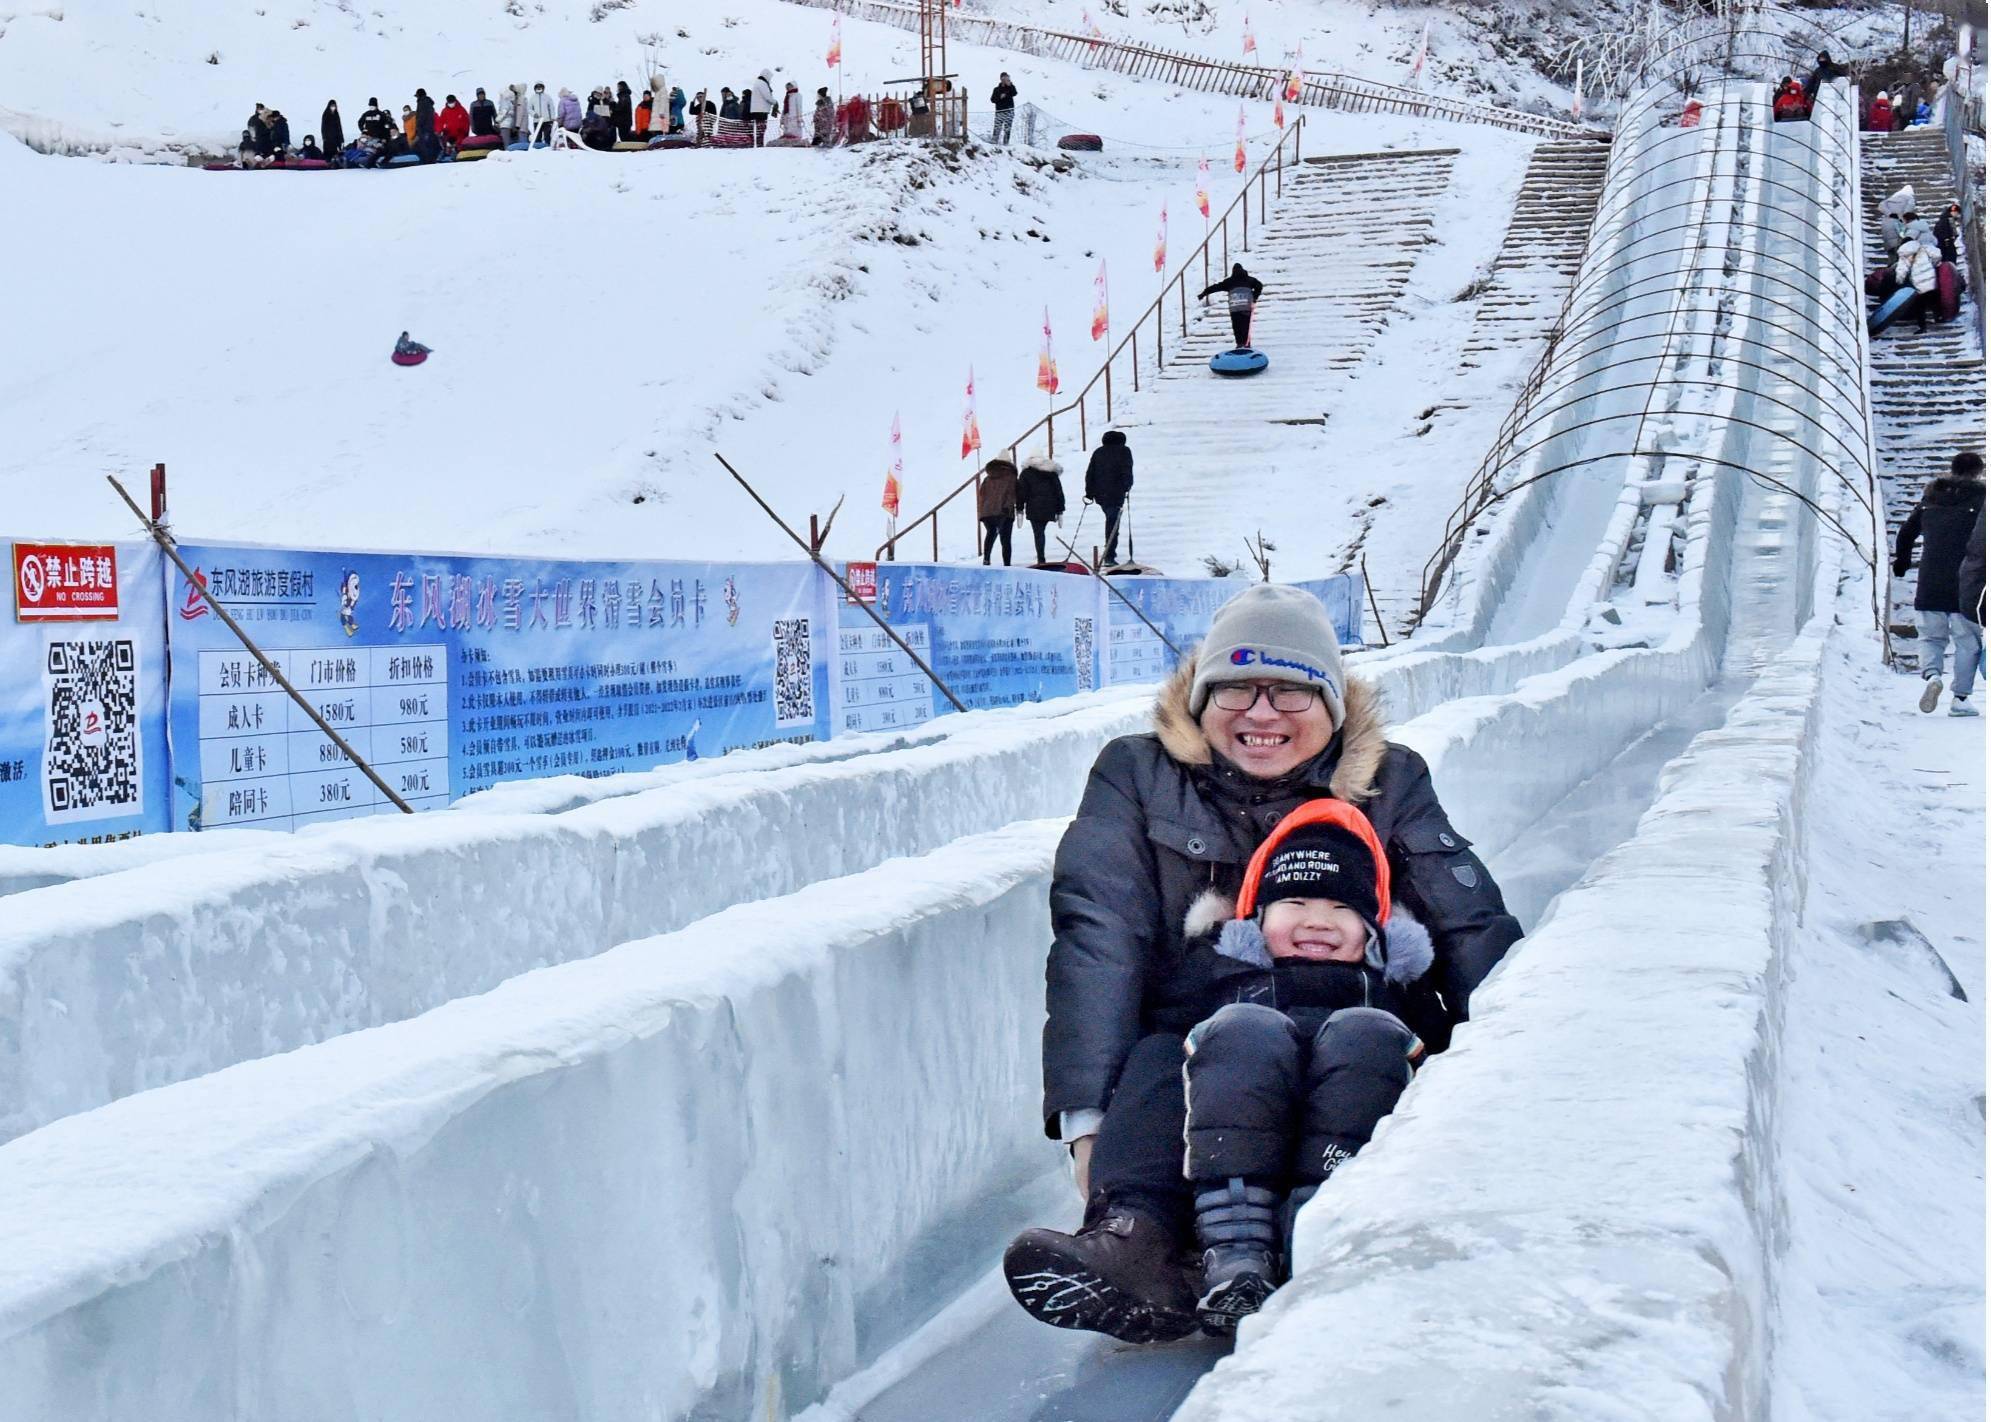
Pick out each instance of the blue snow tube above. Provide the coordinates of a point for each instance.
(518, 147)
(406, 160)
(1889, 309)
(1244, 362)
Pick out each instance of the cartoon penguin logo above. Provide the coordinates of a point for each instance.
(349, 601)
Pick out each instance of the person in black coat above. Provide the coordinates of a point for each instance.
(1166, 818)
(1040, 489)
(1826, 71)
(258, 133)
(622, 112)
(1109, 478)
(425, 114)
(483, 116)
(1951, 505)
(1242, 291)
(279, 133)
(331, 129)
(1004, 99)
(376, 123)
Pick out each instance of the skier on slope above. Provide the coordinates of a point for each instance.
(1244, 289)
(1261, 719)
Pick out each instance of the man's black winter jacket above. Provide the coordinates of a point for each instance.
(1109, 477)
(1942, 521)
(1162, 822)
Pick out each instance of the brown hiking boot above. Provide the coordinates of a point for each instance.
(1120, 1275)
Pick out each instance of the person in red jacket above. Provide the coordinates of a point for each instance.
(1880, 114)
(453, 123)
(1790, 103)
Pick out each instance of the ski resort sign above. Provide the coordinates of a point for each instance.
(449, 674)
(83, 694)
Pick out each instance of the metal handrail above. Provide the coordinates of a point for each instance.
(1273, 167)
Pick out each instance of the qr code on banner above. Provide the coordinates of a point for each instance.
(1082, 651)
(794, 673)
(93, 746)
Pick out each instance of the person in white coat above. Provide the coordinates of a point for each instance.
(791, 115)
(761, 105)
(511, 113)
(660, 106)
(1894, 209)
(540, 110)
(1915, 265)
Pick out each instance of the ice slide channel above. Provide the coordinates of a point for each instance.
(540, 1202)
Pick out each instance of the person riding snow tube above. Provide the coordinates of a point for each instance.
(407, 352)
(1244, 290)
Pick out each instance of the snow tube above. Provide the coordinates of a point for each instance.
(1244, 362)
(308, 165)
(519, 147)
(1889, 309)
(1081, 143)
(788, 143)
(1948, 291)
(482, 140)
(472, 155)
(671, 140)
(223, 168)
(1880, 280)
(406, 160)
(630, 145)
(409, 358)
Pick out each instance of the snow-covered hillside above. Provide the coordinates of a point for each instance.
(602, 323)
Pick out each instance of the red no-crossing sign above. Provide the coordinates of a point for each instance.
(65, 582)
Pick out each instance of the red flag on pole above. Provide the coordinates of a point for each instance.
(835, 56)
(971, 430)
(1296, 79)
(1101, 321)
(1203, 187)
(1250, 44)
(1237, 159)
(1161, 240)
(1423, 48)
(895, 472)
(1278, 112)
(1047, 367)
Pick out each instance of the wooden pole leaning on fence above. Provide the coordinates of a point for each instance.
(821, 562)
(166, 545)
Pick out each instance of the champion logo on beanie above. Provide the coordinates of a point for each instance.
(1271, 633)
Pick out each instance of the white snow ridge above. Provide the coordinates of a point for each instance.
(713, 1090)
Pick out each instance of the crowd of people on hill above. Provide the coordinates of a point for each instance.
(612, 116)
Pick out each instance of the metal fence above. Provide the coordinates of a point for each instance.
(1319, 88)
(1958, 112)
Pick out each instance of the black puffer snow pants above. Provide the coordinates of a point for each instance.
(1282, 1106)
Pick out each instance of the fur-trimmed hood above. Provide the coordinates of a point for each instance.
(1362, 741)
(1402, 953)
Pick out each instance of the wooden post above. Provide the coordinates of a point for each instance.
(159, 493)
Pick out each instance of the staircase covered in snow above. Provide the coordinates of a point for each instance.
(1542, 250)
(1335, 259)
(1928, 387)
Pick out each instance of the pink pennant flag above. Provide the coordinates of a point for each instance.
(1278, 111)
(971, 430)
(1161, 240)
(1237, 160)
(1047, 367)
(835, 55)
(895, 472)
(1101, 322)
(1203, 187)
(1423, 48)
(1296, 79)
(1250, 42)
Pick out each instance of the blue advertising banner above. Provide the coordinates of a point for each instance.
(1182, 609)
(83, 694)
(452, 673)
(997, 636)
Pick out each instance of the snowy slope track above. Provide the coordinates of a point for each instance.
(1336, 257)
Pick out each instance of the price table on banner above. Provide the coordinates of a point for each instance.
(1133, 652)
(879, 688)
(264, 763)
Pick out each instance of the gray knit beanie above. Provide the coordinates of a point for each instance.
(1271, 632)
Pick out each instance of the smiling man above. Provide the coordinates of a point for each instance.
(1260, 719)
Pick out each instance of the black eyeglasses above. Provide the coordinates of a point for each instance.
(1242, 696)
